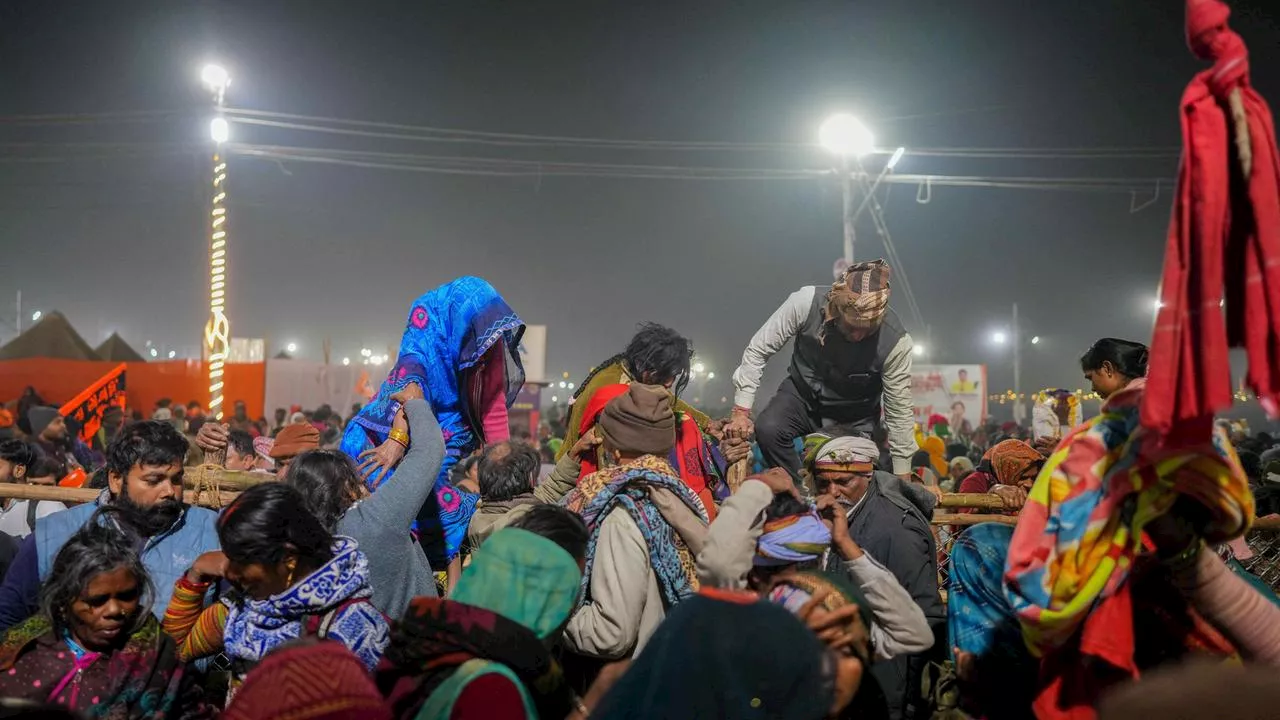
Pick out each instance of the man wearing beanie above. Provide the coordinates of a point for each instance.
(646, 528)
(49, 431)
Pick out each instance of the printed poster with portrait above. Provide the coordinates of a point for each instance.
(957, 392)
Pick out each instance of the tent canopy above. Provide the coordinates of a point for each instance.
(52, 337)
(116, 349)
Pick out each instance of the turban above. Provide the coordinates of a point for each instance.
(294, 440)
(640, 421)
(793, 539)
(845, 454)
(861, 298)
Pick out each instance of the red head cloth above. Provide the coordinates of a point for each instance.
(1223, 247)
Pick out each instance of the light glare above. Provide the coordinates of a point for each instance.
(219, 130)
(844, 134)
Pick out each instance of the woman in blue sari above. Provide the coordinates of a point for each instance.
(461, 345)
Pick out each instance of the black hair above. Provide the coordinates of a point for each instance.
(786, 505)
(240, 441)
(459, 471)
(559, 525)
(266, 521)
(150, 442)
(193, 405)
(45, 466)
(99, 546)
(660, 353)
(921, 460)
(1251, 463)
(328, 483)
(98, 480)
(322, 413)
(18, 452)
(164, 403)
(955, 450)
(1128, 358)
(504, 475)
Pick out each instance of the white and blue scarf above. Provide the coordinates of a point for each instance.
(256, 627)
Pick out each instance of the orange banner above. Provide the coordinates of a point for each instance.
(86, 409)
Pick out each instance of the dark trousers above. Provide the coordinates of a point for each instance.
(789, 416)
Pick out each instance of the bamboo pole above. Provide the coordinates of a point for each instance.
(205, 498)
(965, 520)
(971, 500)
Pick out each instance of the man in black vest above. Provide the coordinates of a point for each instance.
(851, 365)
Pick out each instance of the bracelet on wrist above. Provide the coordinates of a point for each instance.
(195, 586)
(399, 436)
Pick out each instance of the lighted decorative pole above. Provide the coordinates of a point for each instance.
(217, 331)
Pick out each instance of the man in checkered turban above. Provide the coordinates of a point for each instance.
(851, 367)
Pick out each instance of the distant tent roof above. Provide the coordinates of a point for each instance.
(52, 337)
(116, 349)
(282, 355)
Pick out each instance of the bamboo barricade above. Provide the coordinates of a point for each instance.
(204, 485)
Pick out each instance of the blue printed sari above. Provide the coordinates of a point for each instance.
(448, 332)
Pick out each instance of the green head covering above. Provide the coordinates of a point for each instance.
(523, 577)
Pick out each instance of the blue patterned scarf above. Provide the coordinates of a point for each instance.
(256, 627)
(628, 488)
(448, 331)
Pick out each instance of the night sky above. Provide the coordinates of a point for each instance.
(104, 219)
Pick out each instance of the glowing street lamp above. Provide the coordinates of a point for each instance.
(999, 337)
(699, 367)
(845, 135)
(1035, 340)
(346, 361)
(918, 350)
(35, 316)
(292, 347)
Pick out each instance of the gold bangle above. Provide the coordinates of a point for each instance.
(399, 436)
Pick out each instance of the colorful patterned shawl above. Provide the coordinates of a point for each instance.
(256, 627)
(146, 680)
(448, 332)
(626, 486)
(1077, 537)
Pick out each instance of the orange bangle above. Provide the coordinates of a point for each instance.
(399, 436)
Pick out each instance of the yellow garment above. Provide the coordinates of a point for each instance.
(937, 450)
(612, 374)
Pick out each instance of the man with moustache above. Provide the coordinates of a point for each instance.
(144, 480)
(889, 519)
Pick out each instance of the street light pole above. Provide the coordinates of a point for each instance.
(849, 224)
(844, 135)
(217, 331)
(1017, 368)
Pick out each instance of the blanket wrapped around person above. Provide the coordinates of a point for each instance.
(1077, 539)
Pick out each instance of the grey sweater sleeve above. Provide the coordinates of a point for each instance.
(900, 627)
(561, 480)
(398, 500)
(730, 549)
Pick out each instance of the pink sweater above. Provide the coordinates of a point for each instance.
(1229, 603)
(493, 395)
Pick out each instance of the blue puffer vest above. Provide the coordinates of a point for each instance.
(166, 556)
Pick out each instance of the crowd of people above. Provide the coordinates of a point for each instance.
(414, 560)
